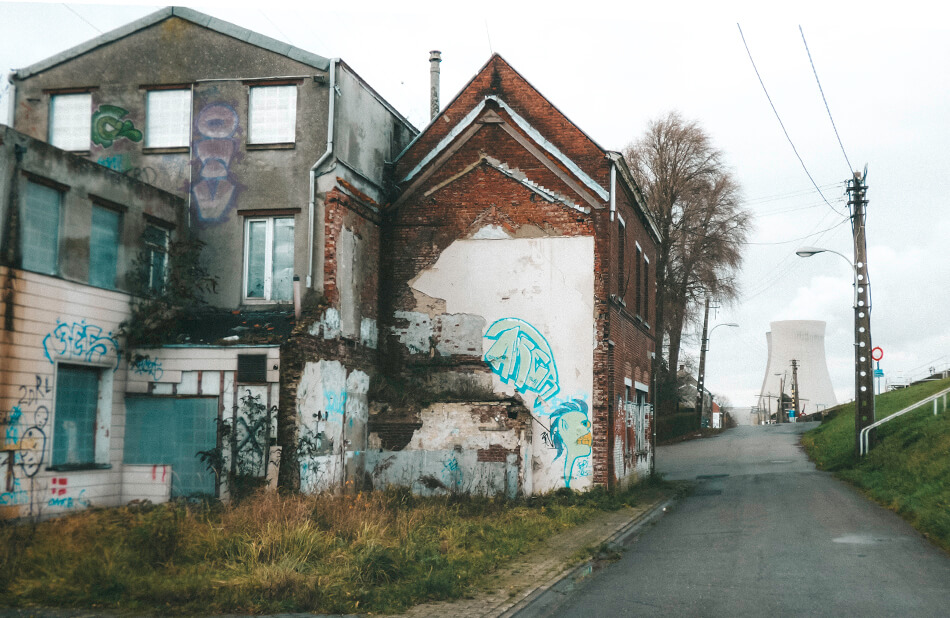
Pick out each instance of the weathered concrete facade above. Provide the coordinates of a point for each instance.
(56, 322)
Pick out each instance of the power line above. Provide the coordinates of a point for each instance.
(267, 17)
(782, 124)
(70, 9)
(821, 90)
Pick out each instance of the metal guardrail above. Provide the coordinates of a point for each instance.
(863, 436)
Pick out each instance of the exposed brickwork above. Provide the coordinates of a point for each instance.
(495, 453)
(342, 210)
(465, 193)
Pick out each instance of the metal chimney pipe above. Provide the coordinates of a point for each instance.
(435, 57)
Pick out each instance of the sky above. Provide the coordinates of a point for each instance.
(612, 67)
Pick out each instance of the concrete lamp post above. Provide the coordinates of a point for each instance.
(863, 375)
(701, 382)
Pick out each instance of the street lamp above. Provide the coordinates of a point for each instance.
(700, 384)
(863, 376)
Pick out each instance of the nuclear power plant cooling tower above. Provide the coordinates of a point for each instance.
(804, 342)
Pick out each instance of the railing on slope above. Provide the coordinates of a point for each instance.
(863, 436)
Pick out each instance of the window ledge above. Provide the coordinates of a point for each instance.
(166, 150)
(278, 146)
(82, 466)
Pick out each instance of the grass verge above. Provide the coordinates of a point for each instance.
(908, 470)
(372, 552)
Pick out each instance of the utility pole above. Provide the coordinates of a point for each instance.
(700, 382)
(863, 371)
(795, 401)
(780, 414)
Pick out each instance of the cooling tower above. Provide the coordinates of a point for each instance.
(803, 341)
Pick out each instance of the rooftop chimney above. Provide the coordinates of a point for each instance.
(435, 57)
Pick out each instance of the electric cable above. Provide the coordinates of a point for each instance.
(782, 124)
(822, 91)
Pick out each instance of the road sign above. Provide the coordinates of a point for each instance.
(877, 353)
(878, 373)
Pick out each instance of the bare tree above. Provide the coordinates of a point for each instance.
(695, 201)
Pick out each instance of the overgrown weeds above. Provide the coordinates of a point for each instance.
(273, 552)
(908, 470)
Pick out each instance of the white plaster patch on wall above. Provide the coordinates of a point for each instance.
(447, 425)
(329, 325)
(491, 232)
(369, 333)
(459, 334)
(417, 334)
(548, 283)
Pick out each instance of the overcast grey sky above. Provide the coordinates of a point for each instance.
(612, 67)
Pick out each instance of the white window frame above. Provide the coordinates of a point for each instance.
(267, 296)
(103, 422)
(164, 111)
(76, 110)
(268, 118)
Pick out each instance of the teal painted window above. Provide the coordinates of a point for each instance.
(103, 247)
(172, 431)
(74, 424)
(269, 263)
(39, 239)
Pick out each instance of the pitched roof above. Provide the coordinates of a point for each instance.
(206, 21)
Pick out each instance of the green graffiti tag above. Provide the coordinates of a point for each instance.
(108, 126)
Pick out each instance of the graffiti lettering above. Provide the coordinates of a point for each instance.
(518, 353)
(148, 366)
(108, 126)
(215, 190)
(15, 496)
(69, 502)
(451, 472)
(12, 435)
(571, 434)
(335, 403)
(80, 340)
(32, 394)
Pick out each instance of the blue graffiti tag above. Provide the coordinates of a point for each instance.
(80, 340)
(12, 436)
(520, 354)
(451, 472)
(335, 403)
(148, 366)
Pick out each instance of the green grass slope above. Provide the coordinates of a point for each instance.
(908, 470)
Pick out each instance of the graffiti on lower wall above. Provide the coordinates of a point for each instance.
(146, 365)
(215, 189)
(108, 126)
(25, 444)
(80, 341)
(519, 354)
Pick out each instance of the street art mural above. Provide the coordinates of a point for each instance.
(520, 355)
(570, 435)
(215, 189)
(80, 341)
(108, 126)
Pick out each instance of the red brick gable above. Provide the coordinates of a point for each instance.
(499, 80)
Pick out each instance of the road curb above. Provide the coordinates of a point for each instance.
(618, 537)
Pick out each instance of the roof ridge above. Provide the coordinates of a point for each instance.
(195, 17)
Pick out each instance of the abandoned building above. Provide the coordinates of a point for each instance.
(462, 309)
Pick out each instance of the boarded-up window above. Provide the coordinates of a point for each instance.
(39, 241)
(168, 118)
(172, 431)
(252, 368)
(74, 425)
(273, 114)
(103, 247)
(70, 121)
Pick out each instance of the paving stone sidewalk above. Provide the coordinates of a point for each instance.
(538, 569)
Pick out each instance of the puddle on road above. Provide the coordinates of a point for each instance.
(862, 539)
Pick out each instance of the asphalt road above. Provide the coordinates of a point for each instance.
(765, 534)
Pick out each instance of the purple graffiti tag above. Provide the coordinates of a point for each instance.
(215, 190)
